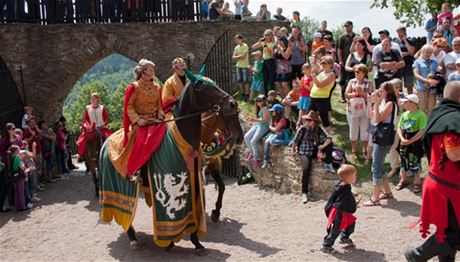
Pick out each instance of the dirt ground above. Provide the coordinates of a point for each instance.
(256, 224)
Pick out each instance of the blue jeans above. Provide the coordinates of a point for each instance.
(378, 160)
(252, 137)
(274, 140)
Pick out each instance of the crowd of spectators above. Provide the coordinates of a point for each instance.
(30, 156)
(382, 82)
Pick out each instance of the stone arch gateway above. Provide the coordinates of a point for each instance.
(54, 57)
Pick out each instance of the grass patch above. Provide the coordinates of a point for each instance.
(340, 134)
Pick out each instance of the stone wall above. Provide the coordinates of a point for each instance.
(285, 173)
(54, 57)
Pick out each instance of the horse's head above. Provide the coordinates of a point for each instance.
(220, 109)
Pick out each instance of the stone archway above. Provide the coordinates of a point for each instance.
(54, 57)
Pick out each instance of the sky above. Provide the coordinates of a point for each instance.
(338, 11)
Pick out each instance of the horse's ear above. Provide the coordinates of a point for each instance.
(202, 70)
(190, 76)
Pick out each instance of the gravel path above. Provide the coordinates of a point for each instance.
(256, 224)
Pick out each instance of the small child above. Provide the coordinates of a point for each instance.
(31, 179)
(410, 130)
(304, 87)
(455, 76)
(25, 118)
(339, 210)
(241, 55)
(257, 85)
(18, 171)
(271, 98)
(279, 132)
(317, 42)
(291, 101)
(295, 21)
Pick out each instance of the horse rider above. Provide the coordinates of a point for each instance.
(173, 87)
(95, 117)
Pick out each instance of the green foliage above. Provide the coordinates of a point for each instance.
(411, 12)
(74, 112)
(309, 26)
(109, 77)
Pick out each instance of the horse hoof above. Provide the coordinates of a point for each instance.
(134, 245)
(201, 252)
(169, 247)
(215, 215)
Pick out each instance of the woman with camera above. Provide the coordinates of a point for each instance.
(269, 67)
(384, 111)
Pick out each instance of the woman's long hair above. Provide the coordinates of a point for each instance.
(8, 126)
(257, 108)
(391, 94)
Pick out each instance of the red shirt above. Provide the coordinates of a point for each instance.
(306, 81)
(449, 142)
(27, 135)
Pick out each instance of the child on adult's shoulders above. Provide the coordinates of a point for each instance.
(339, 210)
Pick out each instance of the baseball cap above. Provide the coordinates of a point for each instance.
(277, 108)
(317, 34)
(411, 97)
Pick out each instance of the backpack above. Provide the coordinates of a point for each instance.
(338, 157)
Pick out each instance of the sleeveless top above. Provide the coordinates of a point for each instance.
(261, 115)
(297, 57)
(323, 92)
(382, 107)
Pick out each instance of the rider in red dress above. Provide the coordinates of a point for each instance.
(95, 117)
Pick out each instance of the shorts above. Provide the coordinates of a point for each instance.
(242, 75)
(304, 103)
(283, 77)
(257, 86)
(408, 80)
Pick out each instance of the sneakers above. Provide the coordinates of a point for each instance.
(35, 199)
(327, 249)
(329, 168)
(265, 164)
(304, 198)
(30, 205)
(347, 241)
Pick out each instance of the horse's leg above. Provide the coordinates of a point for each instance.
(132, 237)
(95, 181)
(215, 214)
(199, 249)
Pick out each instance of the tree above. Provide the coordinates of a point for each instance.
(115, 107)
(74, 112)
(411, 12)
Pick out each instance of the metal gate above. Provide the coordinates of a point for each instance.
(219, 63)
(219, 68)
(11, 103)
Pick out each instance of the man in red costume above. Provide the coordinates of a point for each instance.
(441, 188)
(95, 117)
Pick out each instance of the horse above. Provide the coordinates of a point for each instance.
(215, 145)
(200, 95)
(93, 141)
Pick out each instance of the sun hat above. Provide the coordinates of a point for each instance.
(312, 115)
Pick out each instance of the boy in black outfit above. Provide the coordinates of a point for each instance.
(339, 210)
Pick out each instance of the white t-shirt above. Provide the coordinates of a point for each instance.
(450, 58)
(440, 57)
(238, 5)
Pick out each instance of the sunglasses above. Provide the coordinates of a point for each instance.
(323, 63)
(357, 72)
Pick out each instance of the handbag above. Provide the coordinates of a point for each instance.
(384, 134)
(357, 107)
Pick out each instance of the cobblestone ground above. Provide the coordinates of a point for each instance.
(256, 224)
